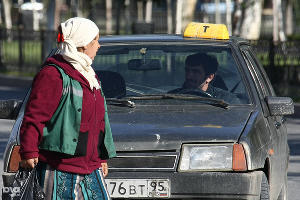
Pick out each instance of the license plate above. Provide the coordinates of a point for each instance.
(136, 188)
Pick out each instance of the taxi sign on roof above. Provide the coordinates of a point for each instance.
(206, 30)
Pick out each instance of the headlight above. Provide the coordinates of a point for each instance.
(209, 157)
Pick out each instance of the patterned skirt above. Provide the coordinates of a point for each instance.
(60, 185)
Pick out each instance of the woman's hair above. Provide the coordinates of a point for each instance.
(60, 37)
(59, 30)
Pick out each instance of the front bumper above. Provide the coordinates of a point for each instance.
(204, 185)
(194, 185)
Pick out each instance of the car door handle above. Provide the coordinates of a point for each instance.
(277, 125)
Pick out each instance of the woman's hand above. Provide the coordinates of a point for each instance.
(29, 163)
(104, 169)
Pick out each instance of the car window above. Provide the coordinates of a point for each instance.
(160, 68)
(263, 74)
(264, 83)
(259, 85)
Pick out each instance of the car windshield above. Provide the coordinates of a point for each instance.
(143, 69)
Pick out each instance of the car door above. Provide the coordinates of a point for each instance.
(279, 120)
(276, 124)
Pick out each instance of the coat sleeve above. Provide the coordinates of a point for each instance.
(42, 103)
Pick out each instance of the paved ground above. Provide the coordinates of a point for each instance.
(13, 88)
(16, 82)
(293, 128)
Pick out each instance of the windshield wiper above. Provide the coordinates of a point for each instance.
(211, 101)
(120, 102)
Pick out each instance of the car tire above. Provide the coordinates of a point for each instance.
(264, 188)
(283, 192)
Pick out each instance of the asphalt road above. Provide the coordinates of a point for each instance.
(293, 127)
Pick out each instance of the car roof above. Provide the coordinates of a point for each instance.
(166, 38)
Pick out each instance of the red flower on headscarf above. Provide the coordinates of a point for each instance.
(60, 37)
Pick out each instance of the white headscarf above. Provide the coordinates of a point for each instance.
(79, 32)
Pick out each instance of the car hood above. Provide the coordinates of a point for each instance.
(167, 127)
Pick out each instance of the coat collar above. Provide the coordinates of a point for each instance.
(68, 68)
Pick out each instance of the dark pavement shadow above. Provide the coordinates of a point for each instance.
(3, 142)
(296, 111)
(294, 144)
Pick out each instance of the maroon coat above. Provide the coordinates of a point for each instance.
(43, 101)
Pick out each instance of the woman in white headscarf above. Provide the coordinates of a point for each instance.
(65, 132)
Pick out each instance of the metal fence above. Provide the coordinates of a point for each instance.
(23, 51)
(281, 61)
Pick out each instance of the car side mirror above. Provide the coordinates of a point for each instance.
(280, 105)
(9, 109)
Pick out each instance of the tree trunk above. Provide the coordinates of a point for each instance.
(127, 15)
(228, 16)
(75, 10)
(251, 25)
(169, 16)
(108, 16)
(188, 11)
(179, 17)
(7, 15)
(1, 16)
(275, 21)
(238, 17)
(282, 36)
(148, 11)
(278, 30)
(218, 15)
(289, 18)
(35, 17)
(57, 13)
(140, 10)
(53, 14)
(118, 17)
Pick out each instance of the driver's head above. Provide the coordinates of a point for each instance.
(199, 70)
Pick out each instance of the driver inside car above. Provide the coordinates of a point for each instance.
(200, 71)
